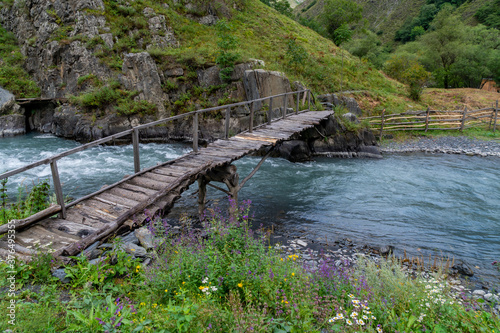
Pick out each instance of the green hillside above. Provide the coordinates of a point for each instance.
(262, 33)
(388, 16)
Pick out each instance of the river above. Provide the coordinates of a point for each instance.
(427, 204)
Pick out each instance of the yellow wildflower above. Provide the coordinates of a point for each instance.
(240, 284)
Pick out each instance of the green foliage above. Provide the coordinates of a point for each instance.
(415, 27)
(36, 271)
(296, 53)
(90, 78)
(13, 77)
(337, 15)
(111, 95)
(369, 47)
(102, 274)
(282, 6)
(489, 14)
(28, 202)
(406, 68)
(226, 55)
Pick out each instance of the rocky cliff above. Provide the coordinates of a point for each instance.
(113, 61)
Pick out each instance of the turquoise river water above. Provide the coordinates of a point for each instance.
(427, 204)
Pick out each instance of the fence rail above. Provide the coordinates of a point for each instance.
(135, 134)
(434, 120)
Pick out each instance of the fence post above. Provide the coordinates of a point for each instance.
(427, 119)
(135, 144)
(462, 125)
(298, 101)
(58, 189)
(496, 115)
(226, 127)
(270, 111)
(382, 124)
(252, 111)
(285, 106)
(195, 132)
(309, 100)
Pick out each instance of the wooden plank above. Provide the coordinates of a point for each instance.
(159, 177)
(86, 216)
(39, 237)
(61, 227)
(147, 183)
(167, 171)
(19, 224)
(121, 192)
(116, 199)
(104, 208)
(137, 189)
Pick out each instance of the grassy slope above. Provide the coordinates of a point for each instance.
(387, 16)
(262, 33)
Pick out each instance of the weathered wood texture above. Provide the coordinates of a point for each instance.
(122, 206)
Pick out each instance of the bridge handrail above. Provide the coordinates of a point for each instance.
(134, 131)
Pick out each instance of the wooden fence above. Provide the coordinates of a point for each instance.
(434, 120)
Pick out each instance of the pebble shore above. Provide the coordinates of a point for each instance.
(444, 145)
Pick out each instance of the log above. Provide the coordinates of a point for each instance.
(74, 248)
(19, 224)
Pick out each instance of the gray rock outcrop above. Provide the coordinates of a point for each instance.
(11, 121)
(140, 73)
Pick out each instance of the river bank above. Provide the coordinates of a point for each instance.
(443, 145)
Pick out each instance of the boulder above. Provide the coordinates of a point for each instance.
(294, 151)
(260, 83)
(12, 124)
(145, 238)
(386, 250)
(7, 102)
(461, 267)
(61, 275)
(140, 73)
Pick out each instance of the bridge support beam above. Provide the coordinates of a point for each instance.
(228, 175)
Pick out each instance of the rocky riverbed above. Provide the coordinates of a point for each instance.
(444, 145)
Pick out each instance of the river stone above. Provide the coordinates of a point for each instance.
(130, 238)
(135, 250)
(145, 237)
(479, 292)
(61, 275)
(294, 151)
(12, 124)
(386, 250)
(462, 268)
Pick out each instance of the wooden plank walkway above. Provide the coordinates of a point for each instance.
(154, 189)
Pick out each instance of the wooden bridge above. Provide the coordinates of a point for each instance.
(66, 229)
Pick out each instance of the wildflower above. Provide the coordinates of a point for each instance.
(205, 280)
(355, 301)
(365, 317)
(354, 314)
(293, 274)
(348, 322)
(142, 304)
(373, 317)
(240, 284)
(340, 315)
(360, 322)
(351, 295)
(183, 282)
(166, 290)
(379, 330)
(331, 320)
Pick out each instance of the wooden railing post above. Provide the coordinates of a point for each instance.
(298, 101)
(462, 125)
(496, 115)
(58, 189)
(382, 124)
(195, 132)
(427, 119)
(135, 144)
(252, 112)
(226, 127)
(285, 106)
(309, 100)
(270, 111)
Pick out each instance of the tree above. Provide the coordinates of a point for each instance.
(337, 15)
(445, 42)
